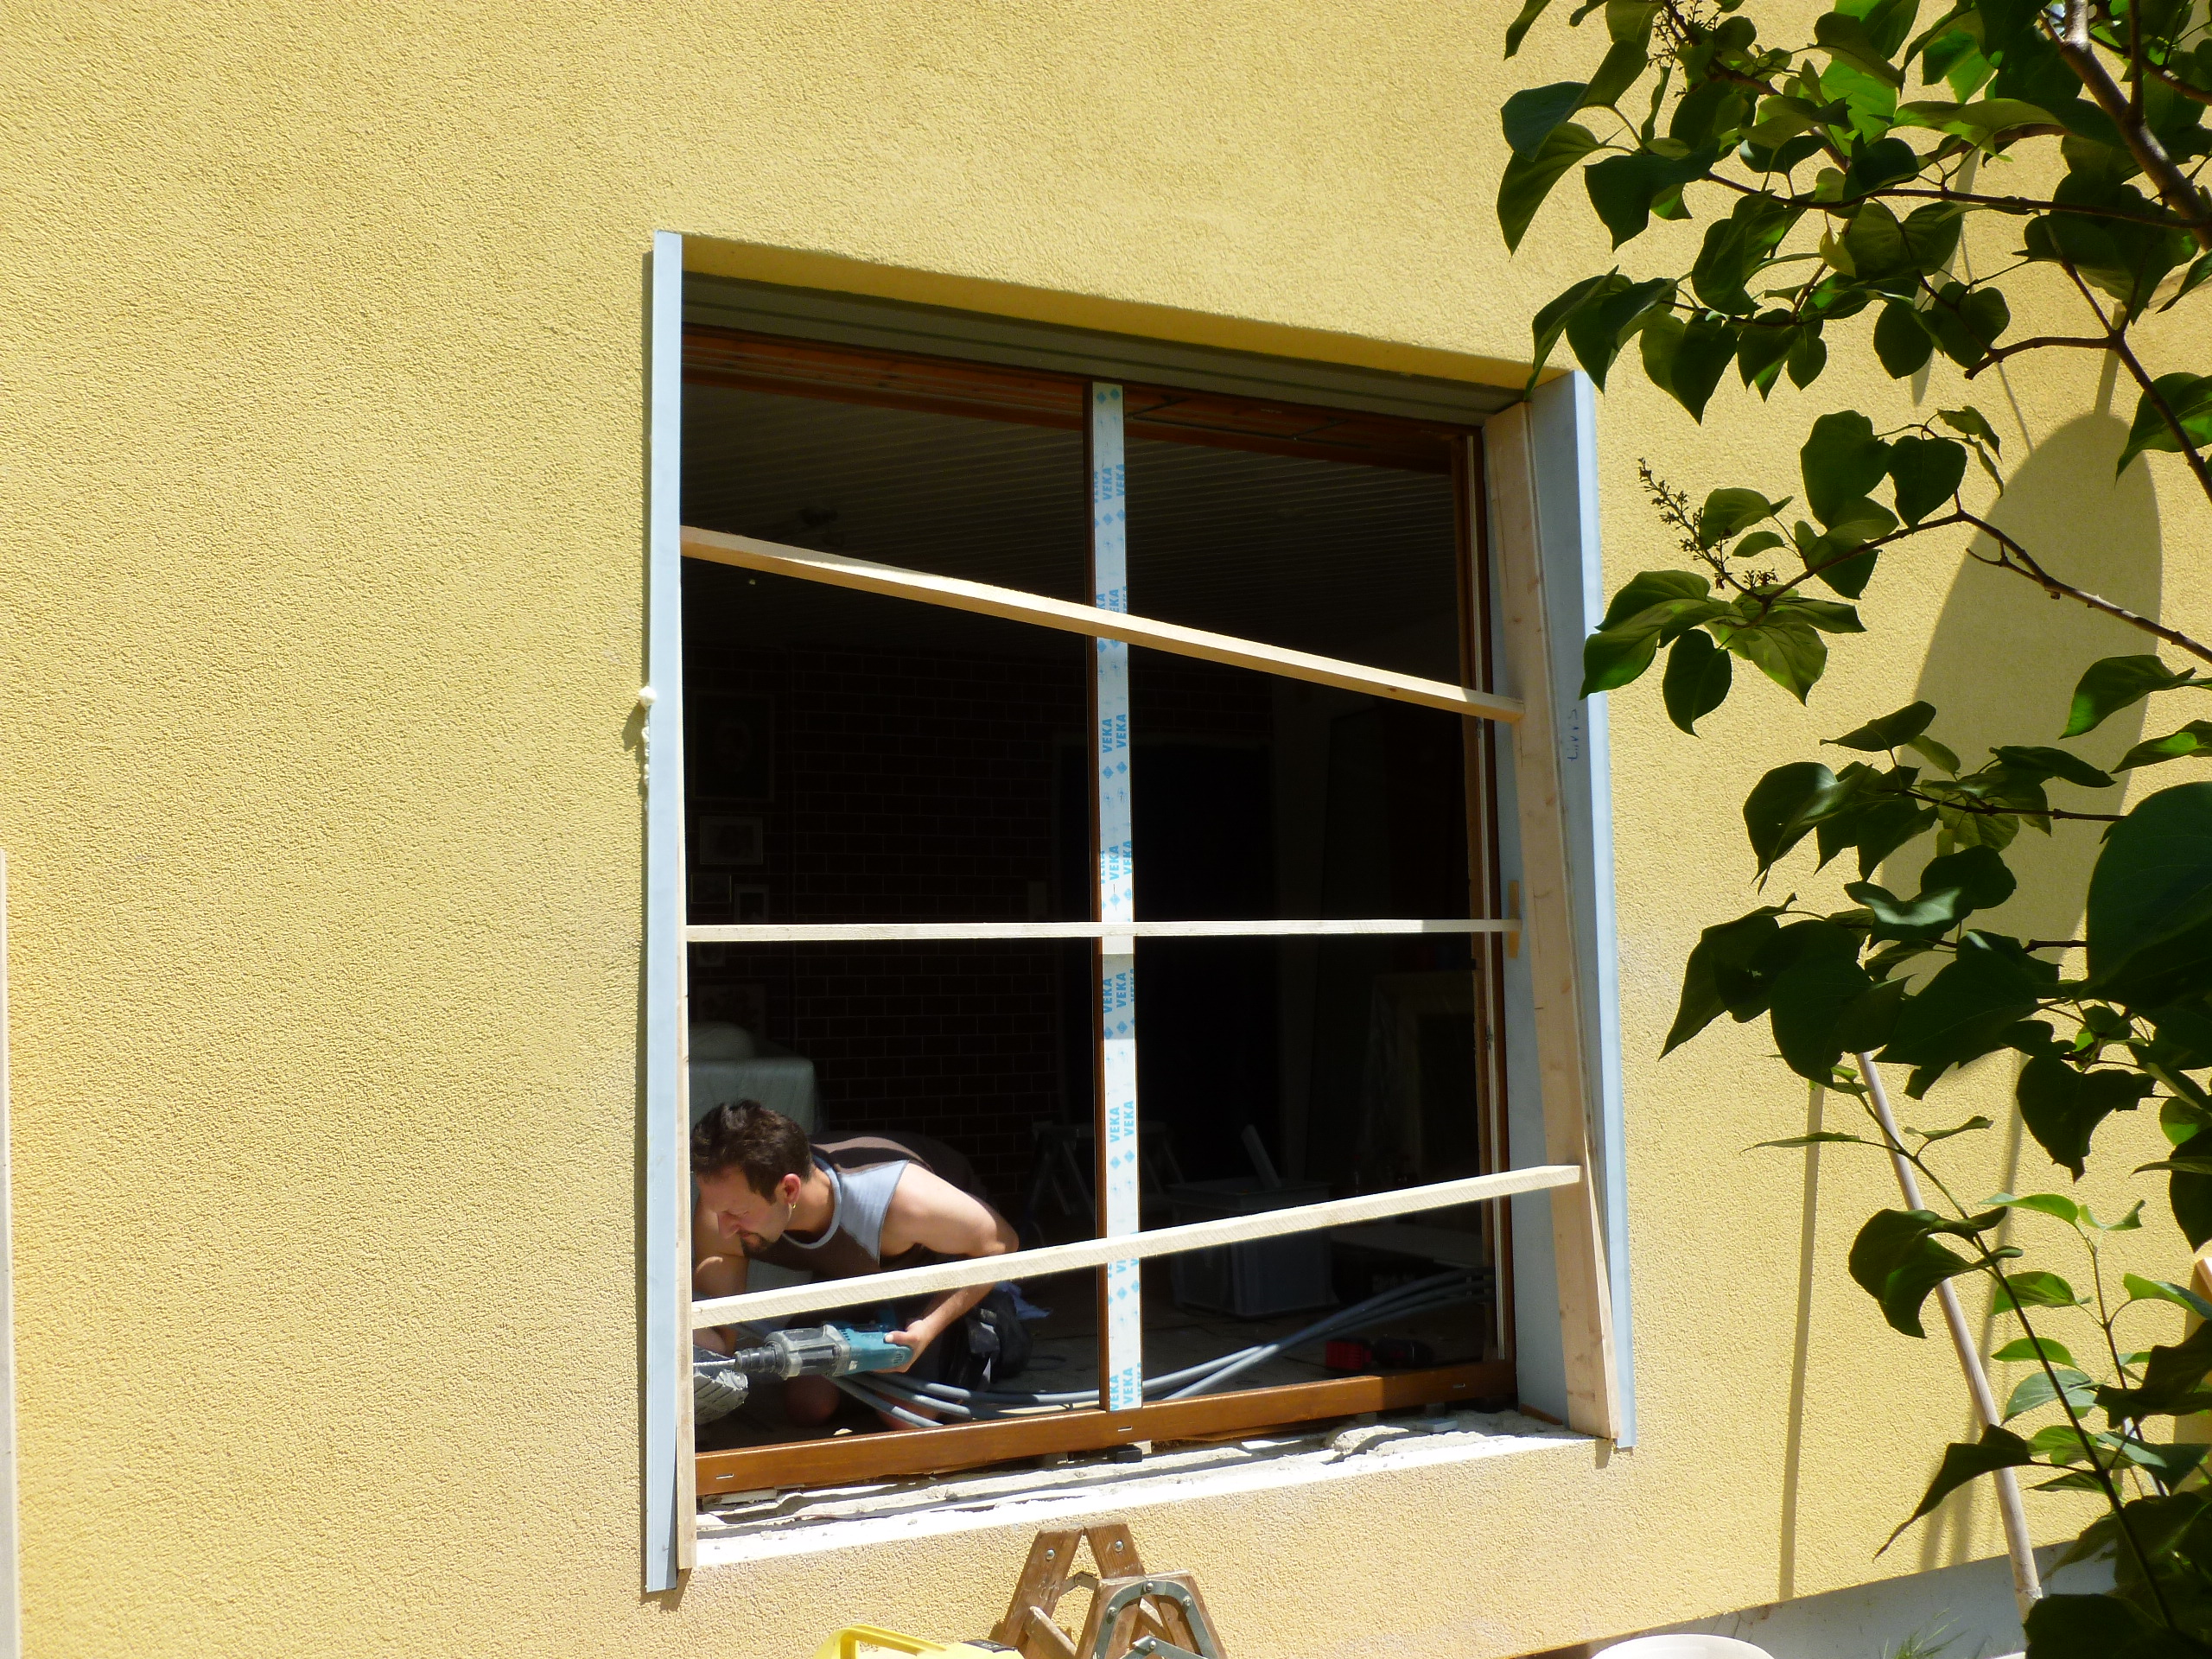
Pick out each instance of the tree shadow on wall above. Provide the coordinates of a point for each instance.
(2001, 668)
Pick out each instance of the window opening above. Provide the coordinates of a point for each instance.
(1271, 876)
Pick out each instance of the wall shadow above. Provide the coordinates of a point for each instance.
(2000, 668)
(2003, 659)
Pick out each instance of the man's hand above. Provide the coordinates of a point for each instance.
(913, 1340)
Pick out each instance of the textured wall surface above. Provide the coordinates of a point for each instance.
(321, 563)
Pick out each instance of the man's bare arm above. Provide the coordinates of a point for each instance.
(722, 1272)
(929, 1211)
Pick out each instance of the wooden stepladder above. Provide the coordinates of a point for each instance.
(1134, 1614)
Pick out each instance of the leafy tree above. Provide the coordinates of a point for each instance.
(1837, 205)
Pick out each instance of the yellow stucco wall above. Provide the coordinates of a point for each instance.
(321, 572)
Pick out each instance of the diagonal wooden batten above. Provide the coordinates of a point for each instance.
(955, 593)
(1128, 1247)
(865, 932)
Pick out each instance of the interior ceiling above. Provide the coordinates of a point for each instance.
(1345, 560)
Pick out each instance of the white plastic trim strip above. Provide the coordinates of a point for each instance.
(1128, 1247)
(1123, 1357)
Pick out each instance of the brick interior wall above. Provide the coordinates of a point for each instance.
(925, 786)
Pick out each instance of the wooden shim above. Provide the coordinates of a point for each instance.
(838, 571)
(846, 1457)
(1129, 1246)
(1548, 920)
(870, 932)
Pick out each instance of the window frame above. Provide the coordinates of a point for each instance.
(1518, 631)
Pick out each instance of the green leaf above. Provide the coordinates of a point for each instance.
(1967, 323)
(1807, 358)
(1552, 319)
(2141, 1289)
(1518, 30)
(1868, 1019)
(2190, 398)
(2170, 1377)
(2036, 1288)
(1982, 122)
(1971, 421)
(1872, 245)
(1697, 679)
(1926, 472)
(1967, 1010)
(1624, 188)
(1729, 513)
(2061, 1104)
(1791, 654)
(1624, 65)
(1815, 972)
(1528, 179)
(1820, 1137)
(2190, 1196)
(1844, 37)
(1737, 246)
(1998, 1449)
(1934, 753)
(2113, 683)
(1891, 731)
(1649, 588)
(2055, 1205)
(1895, 1260)
(1765, 342)
(1900, 341)
(2191, 742)
(1841, 463)
(2033, 1350)
(1783, 807)
(1822, 613)
(2035, 1390)
(1599, 327)
(1716, 979)
(2150, 910)
(2052, 762)
(1951, 888)
(1701, 357)
(2101, 1627)
(1530, 115)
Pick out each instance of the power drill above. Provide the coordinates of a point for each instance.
(720, 1382)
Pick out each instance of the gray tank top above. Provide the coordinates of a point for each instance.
(860, 1198)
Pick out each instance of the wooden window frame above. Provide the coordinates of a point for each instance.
(1493, 469)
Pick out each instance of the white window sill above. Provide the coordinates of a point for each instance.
(767, 1526)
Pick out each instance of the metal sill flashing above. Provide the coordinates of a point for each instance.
(768, 1525)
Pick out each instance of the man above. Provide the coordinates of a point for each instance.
(841, 1209)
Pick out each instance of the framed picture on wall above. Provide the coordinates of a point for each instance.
(751, 902)
(727, 839)
(729, 746)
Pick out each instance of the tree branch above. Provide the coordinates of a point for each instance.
(2118, 335)
(2174, 186)
(2001, 352)
(2014, 558)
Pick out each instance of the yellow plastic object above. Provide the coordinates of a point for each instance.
(861, 1641)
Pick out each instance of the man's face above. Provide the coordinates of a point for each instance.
(741, 1217)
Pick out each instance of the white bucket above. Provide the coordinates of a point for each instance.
(1683, 1647)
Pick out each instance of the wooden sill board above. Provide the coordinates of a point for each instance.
(850, 1457)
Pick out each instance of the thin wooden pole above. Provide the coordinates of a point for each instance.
(1133, 1246)
(837, 570)
(1115, 932)
(2027, 1583)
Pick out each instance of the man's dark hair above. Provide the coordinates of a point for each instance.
(761, 1144)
